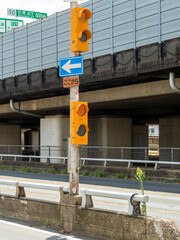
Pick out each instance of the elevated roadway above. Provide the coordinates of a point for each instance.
(137, 100)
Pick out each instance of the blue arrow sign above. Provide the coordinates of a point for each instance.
(70, 66)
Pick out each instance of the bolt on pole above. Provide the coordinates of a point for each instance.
(73, 150)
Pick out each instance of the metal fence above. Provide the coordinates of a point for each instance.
(138, 153)
(116, 25)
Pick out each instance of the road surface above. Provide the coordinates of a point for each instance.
(164, 197)
(14, 231)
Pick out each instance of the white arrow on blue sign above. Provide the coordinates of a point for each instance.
(71, 66)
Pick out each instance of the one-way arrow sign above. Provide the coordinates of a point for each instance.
(71, 66)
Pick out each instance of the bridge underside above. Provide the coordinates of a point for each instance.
(144, 101)
(125, 92)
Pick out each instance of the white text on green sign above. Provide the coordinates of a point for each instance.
(25, 13)
(8, 24)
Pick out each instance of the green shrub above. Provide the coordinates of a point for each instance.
(26, 169)
(100, 174)
(119, 175)
(85, 173)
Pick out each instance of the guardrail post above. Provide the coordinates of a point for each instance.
(155, 166)
(86, 199)
(122, 153)
(172, 157)
(20, 192)
(48, 160)
(146, 157)
(133, 206)
(129, 164)
(84, 161)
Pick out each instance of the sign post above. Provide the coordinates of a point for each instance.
(69, 67)
(73, 150)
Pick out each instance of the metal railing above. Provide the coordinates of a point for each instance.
(146, 153)
(89, 161)
(133, 199)
(32, 157)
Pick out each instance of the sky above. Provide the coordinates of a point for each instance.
(45, 6)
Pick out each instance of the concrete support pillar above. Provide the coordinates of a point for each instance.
(54, 132)
(10, 135)
(140, 139)
(110, 132)
(169, 137)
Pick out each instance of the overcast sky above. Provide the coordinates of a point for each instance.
(45, 6)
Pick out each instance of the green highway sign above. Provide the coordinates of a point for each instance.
(25, 13)
(8, 24)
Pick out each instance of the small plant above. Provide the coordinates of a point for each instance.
(11, 168)
(85, 173)
(35, 170)
(119, 175)
(51, 171)
(2, 167)
(100, 174)
(178, 180)
(63, 172)
(168, 180)
(92, 174)
(48, 222)
(55, 167)
(128, 176)
(140, 176)
(25, 169)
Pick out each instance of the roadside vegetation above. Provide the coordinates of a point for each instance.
(140, 176)
(54, 170)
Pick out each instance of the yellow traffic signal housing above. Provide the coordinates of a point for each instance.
(79, 123)
(80, 33)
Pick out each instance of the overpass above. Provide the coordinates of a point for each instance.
(134, 47)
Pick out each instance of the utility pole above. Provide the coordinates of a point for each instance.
(73, 67)
(73, 150)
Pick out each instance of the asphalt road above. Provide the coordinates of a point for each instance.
(111, 182)
(14, 231)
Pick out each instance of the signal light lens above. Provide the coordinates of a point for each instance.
(83, 37)
(84, 14)
(81, 131)
(81, 110)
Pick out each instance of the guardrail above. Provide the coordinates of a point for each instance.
(104, 160)
(30, 157)
(161, 153)
(129, 161)
(134, 199)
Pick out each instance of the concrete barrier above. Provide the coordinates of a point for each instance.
(103, 224)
